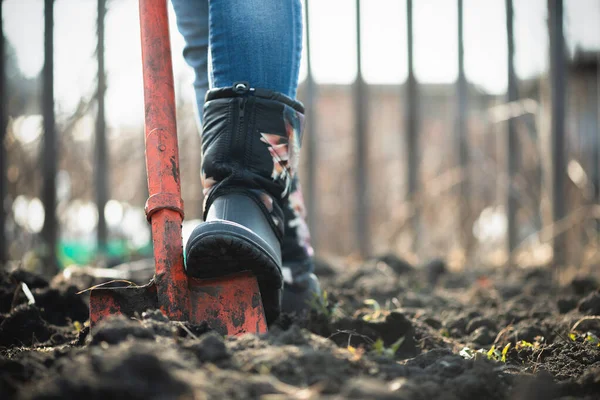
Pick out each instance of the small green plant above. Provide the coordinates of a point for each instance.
(592, 339)
(493, 353)
(320, 304)
(374, 304)
(525, 344)
(380, 349)
(505, 352)
(588, 338)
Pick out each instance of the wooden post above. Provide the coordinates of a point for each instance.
(557, 125)
(312, 142)
(3, 122)
(412, 128)
(512, 146)
(50, 148)
(101, 166)
(462, 135)
(360, 150)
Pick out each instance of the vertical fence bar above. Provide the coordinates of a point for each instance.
(557, 125)
(360, 151)
(512, 147)
(412, 127)
(596, 158)
(50, 148)
(462, 134)
(311, 150)
(3, 122)
(100, 148)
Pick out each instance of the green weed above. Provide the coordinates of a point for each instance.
(380, 349)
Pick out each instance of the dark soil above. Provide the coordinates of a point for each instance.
(384, 330)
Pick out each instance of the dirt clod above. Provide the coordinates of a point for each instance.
(24, 326)
(566, 304)
(117, 329)
(590, 305)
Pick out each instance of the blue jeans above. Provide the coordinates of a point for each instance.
(256, 41)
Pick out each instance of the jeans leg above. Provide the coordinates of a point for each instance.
(257, 41)
(192, 22)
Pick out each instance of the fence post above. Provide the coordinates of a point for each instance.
(311, 150)
(3, 122)
(461, 137)
(557, 125)
(101, 166)
(411, 119)
(596, 128)
(512, 147)
(50, 148)
(361, 183)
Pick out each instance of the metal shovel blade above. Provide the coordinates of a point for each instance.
(231, 305)
(127, 301)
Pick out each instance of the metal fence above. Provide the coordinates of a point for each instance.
(548, 140)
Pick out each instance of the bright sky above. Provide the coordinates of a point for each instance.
(333, 45)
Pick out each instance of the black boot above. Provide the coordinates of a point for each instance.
(250, 146)
(301, 286)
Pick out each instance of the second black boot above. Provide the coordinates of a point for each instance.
(250, 148)
(301, 286)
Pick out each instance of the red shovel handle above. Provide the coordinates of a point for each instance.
(164, 207)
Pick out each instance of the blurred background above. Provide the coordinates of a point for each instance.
(461, 129)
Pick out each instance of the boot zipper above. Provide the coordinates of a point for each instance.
(239, 143)
(240, 138)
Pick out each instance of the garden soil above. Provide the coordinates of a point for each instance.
(383, 330)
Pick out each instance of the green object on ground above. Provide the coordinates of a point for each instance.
(84, 252)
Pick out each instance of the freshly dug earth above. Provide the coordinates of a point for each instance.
(383, 330)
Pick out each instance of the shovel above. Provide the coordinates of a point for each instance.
(232, 304)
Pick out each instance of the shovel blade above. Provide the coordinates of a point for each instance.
(231, 305)
(127, 301)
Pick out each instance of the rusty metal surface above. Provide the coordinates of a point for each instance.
(126, 301)
(231, 305)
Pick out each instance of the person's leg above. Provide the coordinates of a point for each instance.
(192, 22)
(267, 32)
(256, 41)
